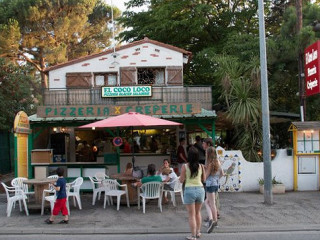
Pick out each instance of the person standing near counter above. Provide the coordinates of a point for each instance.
(202, 152)
(61, 201)
(181, 153)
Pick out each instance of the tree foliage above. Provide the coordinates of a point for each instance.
(15, 93)
(48, 32)
(223, 37)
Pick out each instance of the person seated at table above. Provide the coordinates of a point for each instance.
(129, 169)
(166, 165)
(151, 176)
(168, 177)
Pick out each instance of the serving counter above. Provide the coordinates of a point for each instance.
(72, 170)
(86, 169)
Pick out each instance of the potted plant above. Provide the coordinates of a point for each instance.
(277, 186)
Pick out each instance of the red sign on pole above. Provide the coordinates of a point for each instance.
(312, 68)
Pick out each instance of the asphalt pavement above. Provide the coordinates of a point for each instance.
(240, 212)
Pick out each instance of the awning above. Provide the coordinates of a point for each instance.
(305, 125)
(204, 114)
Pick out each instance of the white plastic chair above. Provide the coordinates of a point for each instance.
(52, 198)
(14, 195)
(150, 190)
(18, 184)
(49, 191)
(112, 189)
(176, 189)
(97, 188)
(101, 176)
(75, 191)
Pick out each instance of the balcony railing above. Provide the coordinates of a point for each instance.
(92, 96)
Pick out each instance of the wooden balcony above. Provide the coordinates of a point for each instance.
(92, 96)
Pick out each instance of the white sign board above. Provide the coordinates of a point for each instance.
(127, 91)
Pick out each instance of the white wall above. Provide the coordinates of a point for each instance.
(282, 169)
(247, 175)
(150, 55)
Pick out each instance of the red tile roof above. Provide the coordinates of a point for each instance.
(129, 45)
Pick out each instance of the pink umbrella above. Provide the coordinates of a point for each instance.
(131, 119)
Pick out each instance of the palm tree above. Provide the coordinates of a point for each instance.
(240, 84)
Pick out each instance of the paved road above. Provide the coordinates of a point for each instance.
(295, 235)
(240, 212)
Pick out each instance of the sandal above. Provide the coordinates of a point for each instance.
(198, 235)
(191, 238)
(64, 222)
(48, 221)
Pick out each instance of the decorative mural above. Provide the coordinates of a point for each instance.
(231, 166)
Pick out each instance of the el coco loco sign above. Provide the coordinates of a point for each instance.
(103, 110)
(127, 91)
(312, 68)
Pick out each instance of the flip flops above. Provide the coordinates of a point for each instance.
(48, 221)
(64, 222)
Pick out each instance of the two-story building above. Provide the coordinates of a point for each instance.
(145, 76)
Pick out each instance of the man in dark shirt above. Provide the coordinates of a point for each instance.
(181, 153)
(201, 151)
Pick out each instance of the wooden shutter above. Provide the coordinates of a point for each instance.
(78, 80)
(128, 76)
(174, 75)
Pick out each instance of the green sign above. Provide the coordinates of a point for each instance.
(127, 91)
(104, 110)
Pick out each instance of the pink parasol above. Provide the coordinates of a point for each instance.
(131, 119)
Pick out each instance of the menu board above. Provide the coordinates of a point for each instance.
(308, 141)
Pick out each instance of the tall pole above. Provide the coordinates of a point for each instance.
(268, 198)
(300, 64)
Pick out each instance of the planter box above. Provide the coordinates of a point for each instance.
(276, 188)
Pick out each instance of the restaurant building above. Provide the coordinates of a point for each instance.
(145, 76)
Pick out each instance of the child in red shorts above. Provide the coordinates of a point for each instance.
(61, 201)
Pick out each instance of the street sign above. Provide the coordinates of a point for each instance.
(117, 141)
(312, 69)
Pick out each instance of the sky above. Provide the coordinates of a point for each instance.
(120, 4)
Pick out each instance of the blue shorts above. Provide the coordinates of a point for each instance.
(212, 189)
(193, 195)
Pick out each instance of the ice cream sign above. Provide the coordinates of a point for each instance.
(312, 68)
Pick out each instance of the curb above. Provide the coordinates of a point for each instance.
(93, 231)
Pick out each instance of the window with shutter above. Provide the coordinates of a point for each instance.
(128, 76)
(174, 75)
(105, 79)
(151, 76)
(78, 80)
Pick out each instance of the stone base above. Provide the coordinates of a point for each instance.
(276, 189)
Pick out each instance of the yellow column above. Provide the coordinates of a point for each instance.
(295, 160)
(22, 158)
